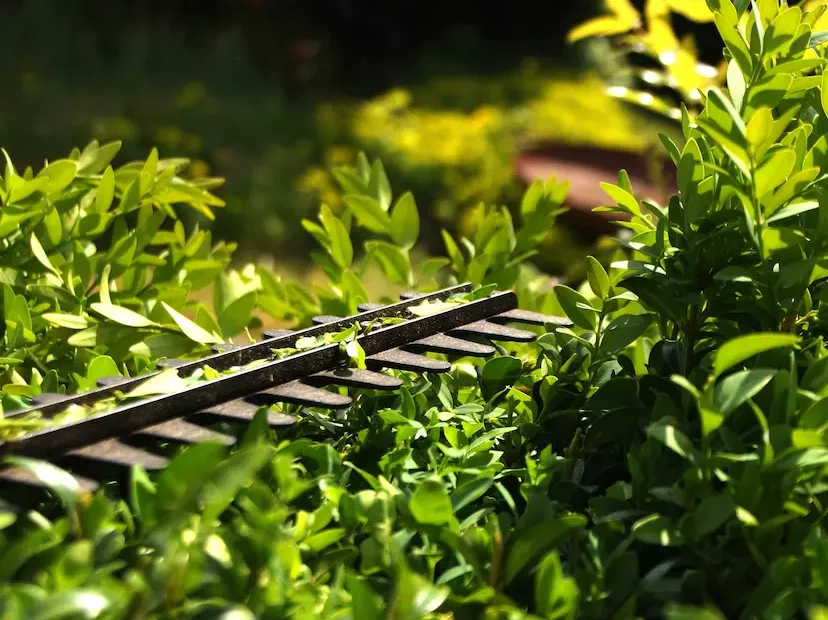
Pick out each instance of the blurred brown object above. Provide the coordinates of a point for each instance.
(585, 168)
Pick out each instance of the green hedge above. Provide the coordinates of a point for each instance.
(666, 456)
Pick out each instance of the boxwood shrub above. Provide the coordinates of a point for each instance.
(664, 457)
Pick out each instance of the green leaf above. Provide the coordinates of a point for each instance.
(70, 321)
(673, 438)
(161, 346)
(735, 43)
(7, 519)
(498, 373)
(741, 348)
(405, 221)
(736, 389)
(781, 238)
(180, 485)
(231, 476)
(165, 382)
(40, 255)
(416, 597)
(393, 260)
(625, 200)
(774, 170)
(106, 191)
(60, 482)
(711, 514)
(469, 492)
(342, 250)
(122, 316)
(92, 161)
(70, 605)
(818, 38)
(60, 174)
(100, 367)
(815, 416)
(793, 210)
(724, 125)
(624, 330)
(355, 353)
(236, 316)
(378, 185)
(433, 265)
(577, 307)
(759, 129)
(782, 30)
(736, 84)
(20, 193)
(368, 212)
(556, 596)
(598, 278)
(430, 504)
(684, 612)
(824, 93)
(537, 541)
(324, 539)
(769, 92)
(366, 603)
(192, 330)
(657, 530)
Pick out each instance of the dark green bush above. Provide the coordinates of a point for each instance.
(665, 457)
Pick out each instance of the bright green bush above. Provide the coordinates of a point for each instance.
(100, 276)
(665, 457)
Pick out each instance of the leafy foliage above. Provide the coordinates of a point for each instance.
(97, 270)
(651, 33)
(665, 457)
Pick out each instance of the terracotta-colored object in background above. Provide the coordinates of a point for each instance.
(585, 168)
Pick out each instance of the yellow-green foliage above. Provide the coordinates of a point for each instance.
(455, 140)
(651, 31)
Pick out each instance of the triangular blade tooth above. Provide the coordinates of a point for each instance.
(443, 343)
(20, 476)
(369, 307)
(226, 347)
(300, 393)
(170, 363)
(325, 318)
(114, 452)
(405, 360)
(112, 381)
(357, 378)
(48, 398)
(270, 334)
(181, 431)
(531, 318)
(241, 411)
(495, 331)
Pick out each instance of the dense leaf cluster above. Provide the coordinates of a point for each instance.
(665, 456)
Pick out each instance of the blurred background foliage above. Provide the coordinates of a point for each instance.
(270, 94)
